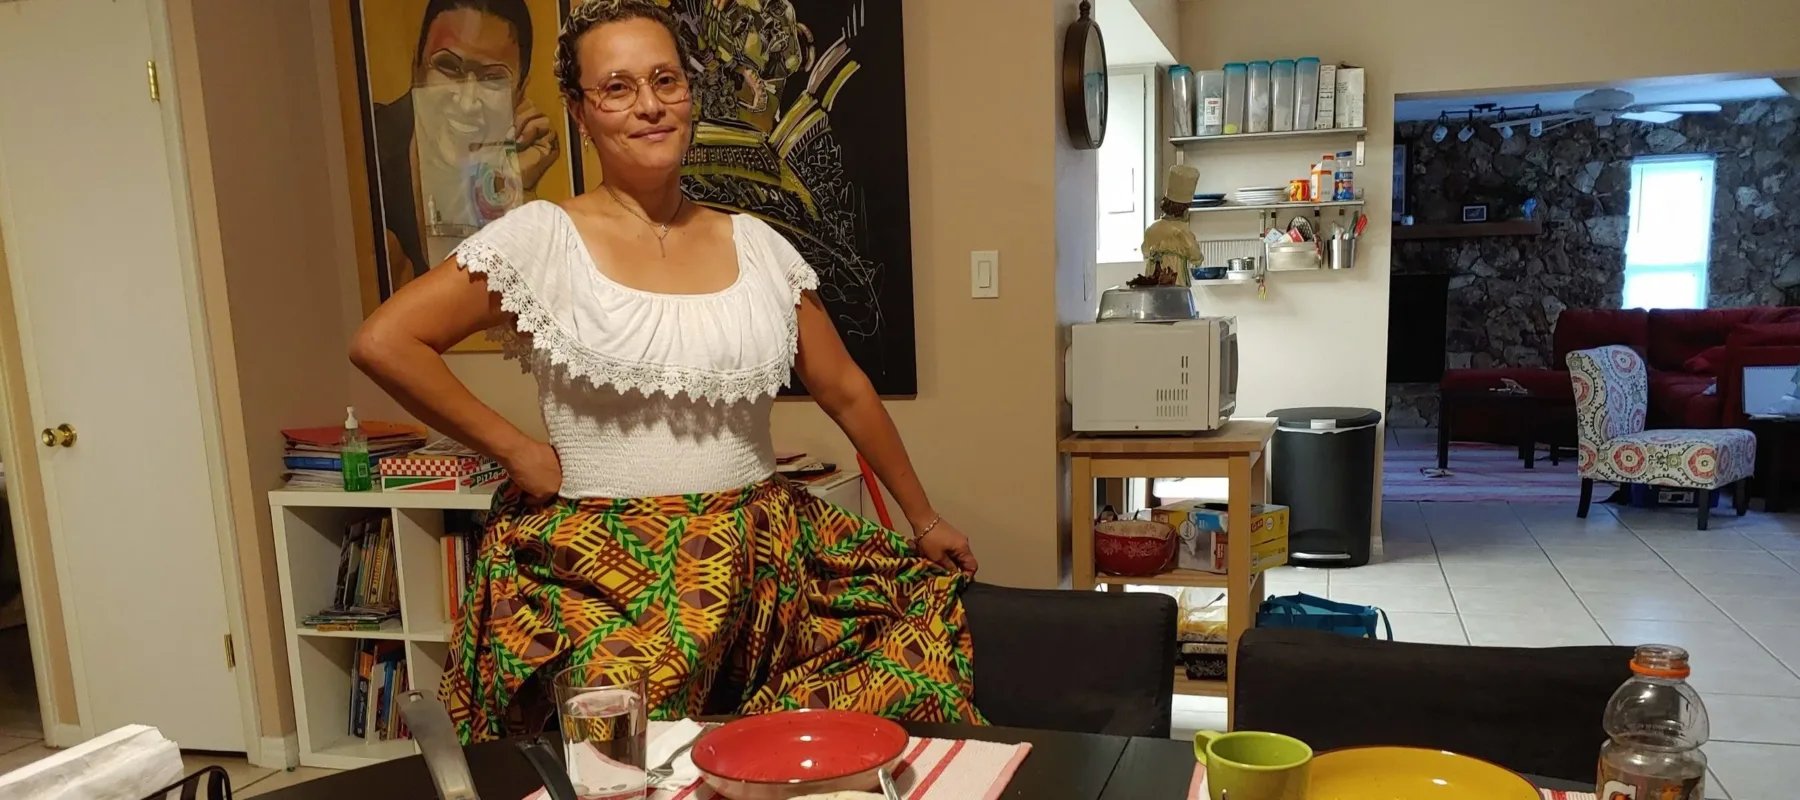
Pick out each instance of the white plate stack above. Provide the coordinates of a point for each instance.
(1260, 195)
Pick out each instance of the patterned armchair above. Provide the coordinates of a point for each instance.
(1611, 400)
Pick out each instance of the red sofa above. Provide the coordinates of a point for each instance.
(1688, 352)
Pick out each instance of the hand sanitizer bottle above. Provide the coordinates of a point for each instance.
(353, 455)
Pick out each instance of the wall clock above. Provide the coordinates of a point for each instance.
(1084, 80)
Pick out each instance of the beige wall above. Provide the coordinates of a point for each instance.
(1164, 19)
(1322, 339)
(264, 209)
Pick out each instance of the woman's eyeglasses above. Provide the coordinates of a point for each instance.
(621, 90)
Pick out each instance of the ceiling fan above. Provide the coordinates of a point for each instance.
(1604, 105)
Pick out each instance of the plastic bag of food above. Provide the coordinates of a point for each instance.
(1202, 616)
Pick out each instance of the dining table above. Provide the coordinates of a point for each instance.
(1062, 766)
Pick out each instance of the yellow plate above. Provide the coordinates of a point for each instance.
(1411, 773)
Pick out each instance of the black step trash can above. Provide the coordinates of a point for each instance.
(1324, 472)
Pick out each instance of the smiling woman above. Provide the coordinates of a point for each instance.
(651, 534)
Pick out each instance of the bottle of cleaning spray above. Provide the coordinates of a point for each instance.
(353, 454)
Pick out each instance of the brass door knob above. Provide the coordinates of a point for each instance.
(60, 436)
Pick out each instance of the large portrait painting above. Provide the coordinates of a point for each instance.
(801, 121)
(461, 121)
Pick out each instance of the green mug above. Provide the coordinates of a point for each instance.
(1252, 765)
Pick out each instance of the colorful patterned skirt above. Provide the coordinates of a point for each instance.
(742, 602)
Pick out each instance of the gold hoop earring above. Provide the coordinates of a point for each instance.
(586, 141)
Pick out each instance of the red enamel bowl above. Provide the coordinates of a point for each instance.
(794, 753)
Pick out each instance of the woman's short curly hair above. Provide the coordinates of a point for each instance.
(594, 13)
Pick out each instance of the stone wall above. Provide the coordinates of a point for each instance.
(1505, 292)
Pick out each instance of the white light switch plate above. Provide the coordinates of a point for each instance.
(984, 273)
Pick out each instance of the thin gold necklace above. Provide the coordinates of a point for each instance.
(660, 229)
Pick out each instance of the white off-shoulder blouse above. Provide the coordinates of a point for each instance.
(645, 394)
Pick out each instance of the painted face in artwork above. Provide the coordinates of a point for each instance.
(468, 83)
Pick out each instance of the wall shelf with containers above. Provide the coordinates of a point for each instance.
(1269, 103)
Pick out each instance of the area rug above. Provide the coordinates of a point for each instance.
(1478, 472)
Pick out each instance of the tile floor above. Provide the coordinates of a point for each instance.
(1532, 575)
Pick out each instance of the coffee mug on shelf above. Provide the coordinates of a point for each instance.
(1252, 765)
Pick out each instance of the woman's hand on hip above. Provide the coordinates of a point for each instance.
(947, 547)
(536, 470)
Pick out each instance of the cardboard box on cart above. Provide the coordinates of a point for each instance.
(1201, 527)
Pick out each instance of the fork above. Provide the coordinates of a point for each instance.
(667, 768)
(888, 790)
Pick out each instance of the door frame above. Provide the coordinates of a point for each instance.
(62, 735)
(26, 492)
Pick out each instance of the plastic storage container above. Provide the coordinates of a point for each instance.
(1237, 89)
(1343, 181)
(1209, 102)
(1181, 96)
(1259, 102)
(1282, 93)
(1306, 93)
(1323, 470)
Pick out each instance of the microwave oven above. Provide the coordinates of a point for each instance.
(1152, 377)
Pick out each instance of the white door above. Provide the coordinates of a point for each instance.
(90, 228)
(1124, 166)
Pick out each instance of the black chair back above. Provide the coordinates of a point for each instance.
(211, 783)
(1086, 662)
(1535, 710)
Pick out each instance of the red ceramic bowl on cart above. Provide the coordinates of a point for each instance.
(796, 753)
(1133, 547)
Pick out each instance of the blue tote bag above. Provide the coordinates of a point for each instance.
(1317, 613)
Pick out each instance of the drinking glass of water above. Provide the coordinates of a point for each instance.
(601, 708)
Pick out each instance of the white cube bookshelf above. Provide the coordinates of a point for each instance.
(309, 529)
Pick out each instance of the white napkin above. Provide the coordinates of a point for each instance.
(667, 742)
(125, 764)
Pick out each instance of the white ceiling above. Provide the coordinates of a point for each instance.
(1647, 93)
(1129, 39)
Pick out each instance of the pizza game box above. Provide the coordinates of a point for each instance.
(441, 466)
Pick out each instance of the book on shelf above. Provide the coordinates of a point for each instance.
(367, 592)
(460, 545)
(378, 676)
(459, 566)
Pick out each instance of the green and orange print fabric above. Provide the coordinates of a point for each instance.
(749, 601)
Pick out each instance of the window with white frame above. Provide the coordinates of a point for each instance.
(1670, 233)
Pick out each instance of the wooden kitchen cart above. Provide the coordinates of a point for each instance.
(1234, 452)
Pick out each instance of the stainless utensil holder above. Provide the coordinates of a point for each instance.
(1343, 253)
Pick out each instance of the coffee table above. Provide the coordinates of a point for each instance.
(1526, 405)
